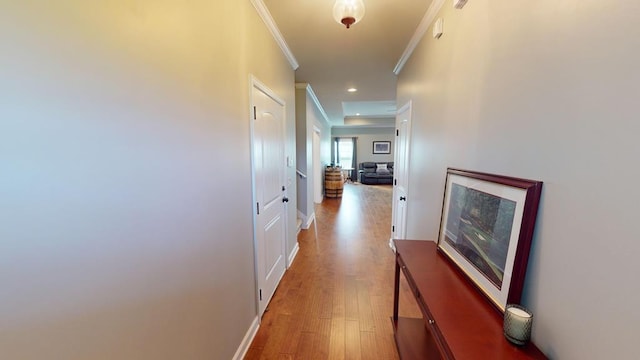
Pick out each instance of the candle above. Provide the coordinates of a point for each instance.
(517, 324)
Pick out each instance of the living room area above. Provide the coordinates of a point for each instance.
(365, 153)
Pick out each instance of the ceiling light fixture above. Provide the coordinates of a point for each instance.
(348, 12)
(352, 89)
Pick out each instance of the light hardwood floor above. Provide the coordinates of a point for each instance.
(336, 300)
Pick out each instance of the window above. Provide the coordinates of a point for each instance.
(343, 152)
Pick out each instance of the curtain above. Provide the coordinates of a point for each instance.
(354, 159)
(336, 147)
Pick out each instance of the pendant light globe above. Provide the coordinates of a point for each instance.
(348, 12)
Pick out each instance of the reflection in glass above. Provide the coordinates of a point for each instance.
(479, 228)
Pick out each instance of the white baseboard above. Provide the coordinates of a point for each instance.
(306, 220)
(309, 221)
(393, 247)
(298, 225)
(293, 254)
(302, 217)
(248, 338)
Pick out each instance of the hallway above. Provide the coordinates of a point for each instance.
(336, 299)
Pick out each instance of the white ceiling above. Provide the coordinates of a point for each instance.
(333, 58)
(384, 108)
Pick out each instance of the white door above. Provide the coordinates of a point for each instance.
(269, 188)
(400, 173)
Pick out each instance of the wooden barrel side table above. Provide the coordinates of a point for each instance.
(333, 182)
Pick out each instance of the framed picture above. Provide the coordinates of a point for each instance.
(382, 147)
(486, 229)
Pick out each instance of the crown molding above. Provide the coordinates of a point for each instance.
(393, 126)
(313, 97)
(422, 28)
(264, 13)
(373, 117)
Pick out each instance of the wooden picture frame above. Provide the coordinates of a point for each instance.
(382, 147)
(486, 228)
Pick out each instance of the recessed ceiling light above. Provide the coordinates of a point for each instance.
(357, 114)
(352, 89)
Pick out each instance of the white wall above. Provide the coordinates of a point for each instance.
(545, 90)
(125, 185)
(371, 121)
(308, 118)
(318, 121)
(366, 136)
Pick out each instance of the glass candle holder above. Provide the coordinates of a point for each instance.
(517, 324)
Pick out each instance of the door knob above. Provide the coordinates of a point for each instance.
(285, 199)
(402, 198)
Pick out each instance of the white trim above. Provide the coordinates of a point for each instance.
(316, 164)
(265, 89)
(404, 107)
(309, 221)
(301, 174)
(400, 228)
(377, 117)
(315, 100)
(380, 126)
(393, 247)
(306, 220)
(293, 254)
(264, 13)
(248, 338)
(422, 28)
(253, 82)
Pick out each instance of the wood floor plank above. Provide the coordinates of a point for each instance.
(365, 313)
(338, 301)
(351, 298)
(337, 339)
(352, 349)
(315, 345)
(306, 345)
(277, 338)
(369, 345)
(317, 299)
(383, 330)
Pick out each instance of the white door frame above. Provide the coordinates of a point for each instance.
(403, 171)
(255, 83)
(317, 173)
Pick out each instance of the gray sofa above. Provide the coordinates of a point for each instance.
(371, 174)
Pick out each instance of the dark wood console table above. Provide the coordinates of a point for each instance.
(457, 322)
